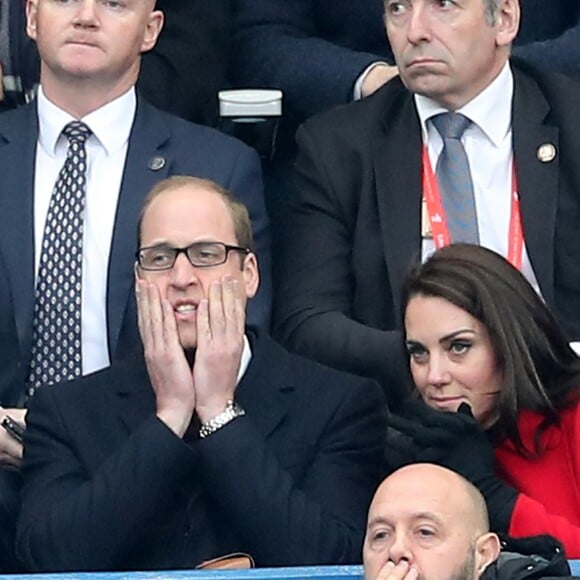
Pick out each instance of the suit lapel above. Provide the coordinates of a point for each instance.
(134, 395)
(18, 154)
(397, 168)
(265, 386)
(538, 181)
(148, 162)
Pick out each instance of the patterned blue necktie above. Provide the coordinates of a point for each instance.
(454, 179)
(56, 340)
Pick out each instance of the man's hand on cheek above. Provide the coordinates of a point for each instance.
(220, 342)
(169, 372)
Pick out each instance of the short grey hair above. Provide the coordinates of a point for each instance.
(491, 9)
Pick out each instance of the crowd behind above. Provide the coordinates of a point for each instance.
(205, 352)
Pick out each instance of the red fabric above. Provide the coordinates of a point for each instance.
(549, 501)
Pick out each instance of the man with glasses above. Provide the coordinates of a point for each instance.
(75, 165)
(216, 440)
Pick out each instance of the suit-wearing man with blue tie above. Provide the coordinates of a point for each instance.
(90, 55)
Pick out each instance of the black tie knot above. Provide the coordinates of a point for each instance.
(76, 132)
(450, 125)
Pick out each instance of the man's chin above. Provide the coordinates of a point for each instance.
(188, 340)
(429, 81)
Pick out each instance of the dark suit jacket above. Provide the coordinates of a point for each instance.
(186, 149)
(188, 65)
(314, 50)
(108, 486)
(355, 227)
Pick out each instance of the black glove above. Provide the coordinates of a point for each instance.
(456, 441)
(413, 431)
(427, 426)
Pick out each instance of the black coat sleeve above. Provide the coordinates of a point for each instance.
(74, 519)
(308, 507)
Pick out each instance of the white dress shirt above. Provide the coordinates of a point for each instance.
(106, 152)
(245, 360)
(488, 145)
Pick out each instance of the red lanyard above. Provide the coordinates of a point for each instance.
(438, 220)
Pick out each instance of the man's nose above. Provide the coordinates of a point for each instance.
(400, 549)
(419, 28)
(183, 272)
(86, 14)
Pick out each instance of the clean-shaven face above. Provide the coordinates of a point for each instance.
(445, 49)
(178, 218)
(92, 39)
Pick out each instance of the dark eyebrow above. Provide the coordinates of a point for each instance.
(445, 338)
(455, 334)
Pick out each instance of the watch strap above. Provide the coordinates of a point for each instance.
(231, 411)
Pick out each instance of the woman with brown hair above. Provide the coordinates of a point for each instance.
(482, 342)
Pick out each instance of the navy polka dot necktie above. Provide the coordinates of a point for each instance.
(56, 340)
(454, 179)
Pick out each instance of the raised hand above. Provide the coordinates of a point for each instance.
(220, 342)
(170, 373)
(400, 571)
(429, 427)
(456, 441)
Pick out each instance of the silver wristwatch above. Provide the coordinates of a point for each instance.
(231, 411)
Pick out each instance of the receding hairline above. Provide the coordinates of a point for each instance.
(179, 183)
(236, 210)
(191, 185)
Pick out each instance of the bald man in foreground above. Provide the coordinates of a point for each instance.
(427, 522)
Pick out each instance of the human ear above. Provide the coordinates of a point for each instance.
(153, 30)
(507, 22)
(251, 275)
(487, 549)
(137, 271)
(31, 10)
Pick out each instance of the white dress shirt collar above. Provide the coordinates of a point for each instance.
(245, 360)
(110, 124)
(491, 110)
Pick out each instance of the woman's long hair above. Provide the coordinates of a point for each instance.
(540, 370)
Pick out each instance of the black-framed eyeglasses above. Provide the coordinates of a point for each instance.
(199, 254)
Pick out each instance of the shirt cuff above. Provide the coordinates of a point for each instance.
(357, 93)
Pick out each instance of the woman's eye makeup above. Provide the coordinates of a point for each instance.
(460, 346)
(417, 352)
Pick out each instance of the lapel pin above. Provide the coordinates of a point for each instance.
(546, 153)
(156, 163)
